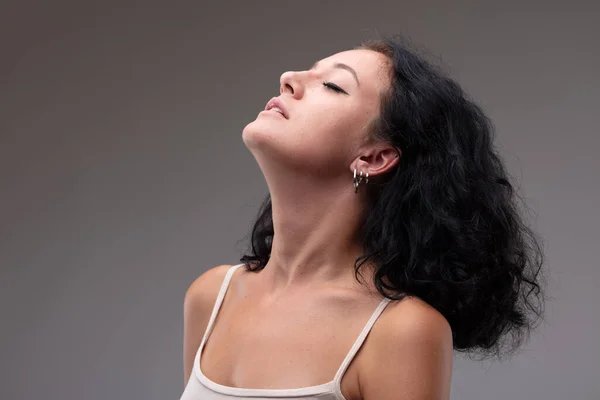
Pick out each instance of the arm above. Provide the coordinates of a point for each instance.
(411, 357)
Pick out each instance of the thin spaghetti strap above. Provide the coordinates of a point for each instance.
(359, 341)
(218, 303)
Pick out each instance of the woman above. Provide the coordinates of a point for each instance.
(390, 237)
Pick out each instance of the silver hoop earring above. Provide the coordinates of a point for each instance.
(359, 180)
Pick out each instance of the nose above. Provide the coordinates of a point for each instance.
(291, 82)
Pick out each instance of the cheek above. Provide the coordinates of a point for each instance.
(334, 125)
(326, 138)
(324, 132)
(346, 129)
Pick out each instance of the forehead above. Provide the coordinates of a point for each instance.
(371, 67)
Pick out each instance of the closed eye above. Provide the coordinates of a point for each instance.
(334, 87)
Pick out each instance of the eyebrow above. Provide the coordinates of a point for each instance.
(342, 66)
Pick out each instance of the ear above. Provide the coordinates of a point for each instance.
(377, 160)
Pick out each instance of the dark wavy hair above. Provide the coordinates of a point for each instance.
(443, 225)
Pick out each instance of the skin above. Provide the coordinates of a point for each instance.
(299, 316)
(308, 162)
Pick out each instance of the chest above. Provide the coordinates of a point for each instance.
(286, 345)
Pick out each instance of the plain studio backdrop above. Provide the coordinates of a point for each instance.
(123, 174)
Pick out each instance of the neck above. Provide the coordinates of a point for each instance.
(315, 239)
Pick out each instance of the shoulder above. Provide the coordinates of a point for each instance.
(198, 303)
(203, 291)
(410, 352)
(412, 318)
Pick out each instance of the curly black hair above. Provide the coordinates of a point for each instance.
(444, 225)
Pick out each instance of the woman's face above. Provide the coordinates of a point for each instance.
(327, 112)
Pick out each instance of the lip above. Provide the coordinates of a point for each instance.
(276, 102)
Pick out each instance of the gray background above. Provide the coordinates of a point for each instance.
(123, 175)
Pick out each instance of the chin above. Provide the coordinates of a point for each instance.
(259, 134)
(252, 135)
(268, 148)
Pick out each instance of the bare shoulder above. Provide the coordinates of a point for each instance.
(408, 321)
(204, 289)
(414, 315)
(410, 352)
(198, 303)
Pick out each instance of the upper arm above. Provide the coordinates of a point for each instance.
(198, 303)
(411, 357)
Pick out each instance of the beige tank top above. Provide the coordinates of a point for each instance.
(199, 387)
